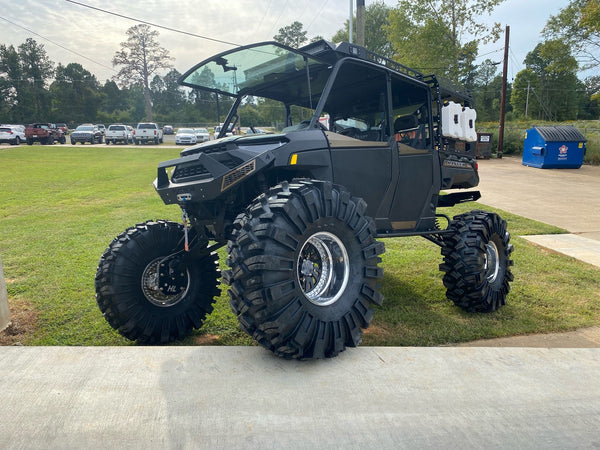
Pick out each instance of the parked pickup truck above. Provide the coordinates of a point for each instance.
(118, 133)
(147, 132)
(44, 133)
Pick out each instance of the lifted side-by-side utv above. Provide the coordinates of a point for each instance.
(366, 147)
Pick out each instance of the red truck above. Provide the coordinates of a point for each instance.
(44, 133)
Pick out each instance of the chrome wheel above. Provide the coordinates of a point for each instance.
(323, 268)
(492, 262)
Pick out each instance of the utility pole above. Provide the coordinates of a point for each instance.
(360, 22)
(503, 97)
(350, 24)
(527, 101)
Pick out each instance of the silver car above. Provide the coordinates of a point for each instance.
(185, 136)
(12, 134)
(202, 134)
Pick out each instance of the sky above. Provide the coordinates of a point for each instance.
(70, 32)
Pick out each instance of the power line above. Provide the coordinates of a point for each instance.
(282, 10)
(57, 44)
(153, 24)
(263, 17)
(324, 3)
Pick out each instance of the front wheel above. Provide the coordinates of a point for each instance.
(128, 290)
(304, 269)
(477, 261)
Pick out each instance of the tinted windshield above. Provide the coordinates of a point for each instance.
(185, 131)
(84, 128)
(117, 128)
(248, 69)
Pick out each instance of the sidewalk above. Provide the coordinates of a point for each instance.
(246, 398)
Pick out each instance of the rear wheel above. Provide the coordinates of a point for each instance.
(304, 270)
(128, 290)
(477, 261)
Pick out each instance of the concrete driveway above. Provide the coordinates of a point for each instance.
(567, 198)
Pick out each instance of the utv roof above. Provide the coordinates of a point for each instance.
(253, 67)
(270, 69)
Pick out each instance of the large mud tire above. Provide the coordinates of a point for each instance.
(127, 288)
(477, 262)
(304, 270)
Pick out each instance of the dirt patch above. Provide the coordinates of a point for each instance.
(207, 339)
(23, 322)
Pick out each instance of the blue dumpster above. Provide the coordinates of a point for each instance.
(554, 147)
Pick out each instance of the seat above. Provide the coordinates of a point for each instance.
(408, 130)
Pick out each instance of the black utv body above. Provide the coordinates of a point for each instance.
(366, 148)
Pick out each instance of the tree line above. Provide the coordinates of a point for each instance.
(432, 36)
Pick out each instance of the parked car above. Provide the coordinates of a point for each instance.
(118, 133)
(44, 133)
(230, 130)
(202, 134)
(63, 127)
(102, 128)
(87, 133)
(147, 132)
(12, 134)
(185, 136)
(168, 129)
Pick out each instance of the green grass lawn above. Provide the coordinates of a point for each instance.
(61, 206)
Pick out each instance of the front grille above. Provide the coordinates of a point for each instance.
(235, 176)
